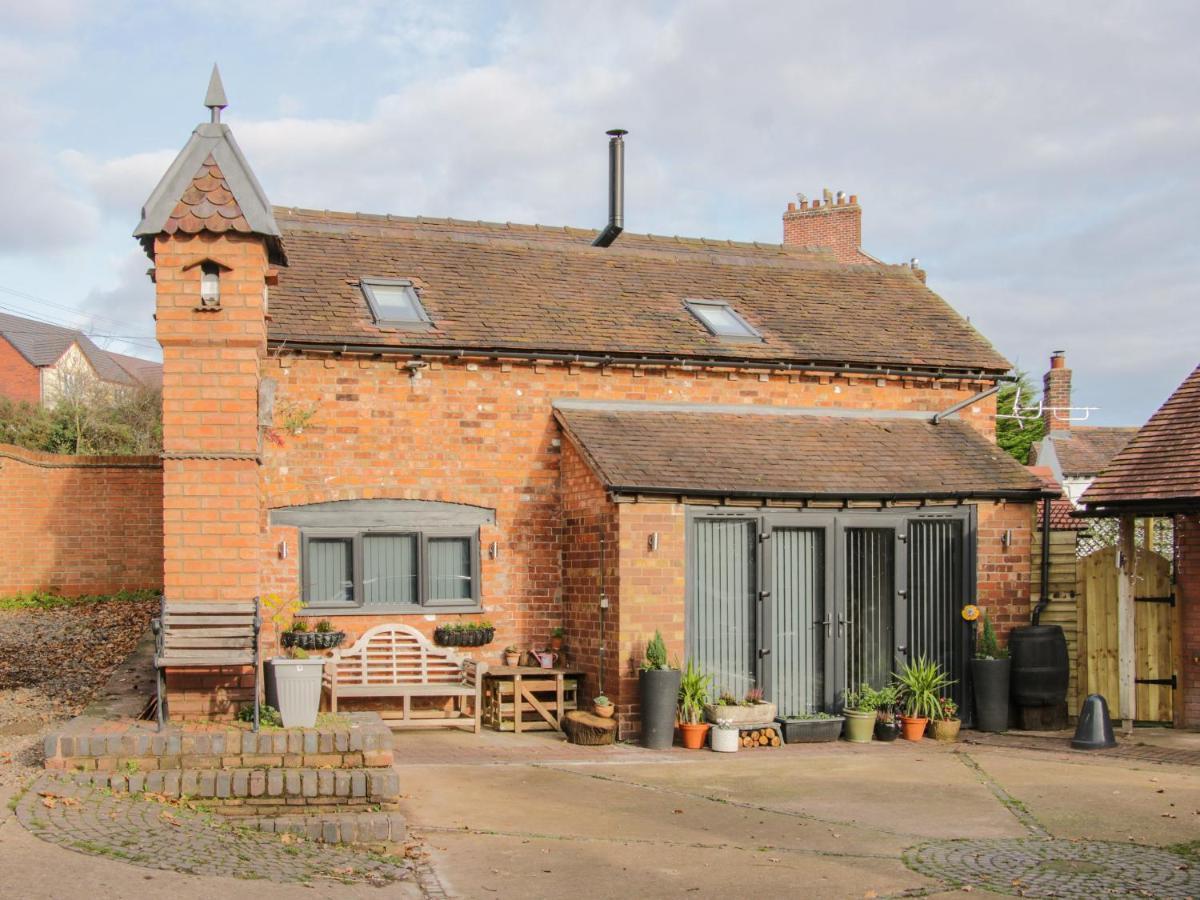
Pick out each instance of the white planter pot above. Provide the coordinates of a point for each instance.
(298, 689)
(724, 740)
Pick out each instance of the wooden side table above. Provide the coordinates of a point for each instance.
(528, 698)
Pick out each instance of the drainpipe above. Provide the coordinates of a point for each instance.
(1045, 598)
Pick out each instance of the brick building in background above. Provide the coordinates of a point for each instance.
(39, 362)
(433, 420)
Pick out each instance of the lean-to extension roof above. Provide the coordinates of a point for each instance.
(1161, 465)
(722, 451)
(1086, 449)
(532, 288)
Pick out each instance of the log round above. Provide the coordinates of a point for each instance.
(589, 730)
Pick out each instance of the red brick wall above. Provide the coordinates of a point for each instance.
(837, 226)
(19, 378)
(1005, 573)
(1056, 394)
(79, 524)
(1187, 587)
(483, 434)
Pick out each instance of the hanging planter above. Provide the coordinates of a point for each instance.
(465, 635)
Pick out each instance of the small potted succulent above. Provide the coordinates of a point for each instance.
(858, 708)
(922, 682)
(512, 655)
(946, 723)
(724, 737)
(603, 707)
(693, 695)
(556, 639)
(810, 728)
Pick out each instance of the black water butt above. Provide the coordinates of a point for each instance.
(1094, 731)
(991, 679)
(659, 690)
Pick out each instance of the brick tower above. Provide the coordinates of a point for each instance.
(209, 230)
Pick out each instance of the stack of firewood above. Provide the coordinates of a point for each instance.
(760, 737)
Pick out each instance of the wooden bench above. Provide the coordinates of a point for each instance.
(205, 635)
(398, 661)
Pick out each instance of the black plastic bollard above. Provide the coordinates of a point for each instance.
(1094, 731)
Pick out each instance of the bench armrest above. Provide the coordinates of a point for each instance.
(473, 672)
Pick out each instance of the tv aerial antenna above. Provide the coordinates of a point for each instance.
(1038, 410)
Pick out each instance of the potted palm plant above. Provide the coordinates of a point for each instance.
(693, 695)
(990, 670)
(946, 724)
(859, 710)
(922, 682)
(658, 691)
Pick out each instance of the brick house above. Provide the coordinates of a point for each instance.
(436, 420)
(40, 361)
(1158, 474)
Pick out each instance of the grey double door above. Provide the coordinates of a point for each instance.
(806, 605)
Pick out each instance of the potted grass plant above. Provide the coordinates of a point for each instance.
(693, 695)
(887, 725)
(858, 708)
(990, 671)
(922, 683)
(658, 692)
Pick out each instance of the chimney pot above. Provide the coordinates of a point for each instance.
(1058, 359)
(831, 221)
(791, 207)
(854, 199)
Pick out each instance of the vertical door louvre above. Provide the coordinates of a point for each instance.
(722, 624)
(795, 666)
(936, 596)
(867, 622)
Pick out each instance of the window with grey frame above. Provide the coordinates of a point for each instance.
(390, 570)
(394, 303)
(722, 320)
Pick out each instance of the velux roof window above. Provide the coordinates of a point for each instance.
(394, 303)
(721, 320)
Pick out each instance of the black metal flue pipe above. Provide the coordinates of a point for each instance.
(1044, 601)
(616, 189)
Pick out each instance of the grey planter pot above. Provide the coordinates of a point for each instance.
(659, 693)
(298, 690)
(810, 731)
(991, 679)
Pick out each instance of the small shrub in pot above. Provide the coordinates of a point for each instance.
(693, 695)
(658, 691)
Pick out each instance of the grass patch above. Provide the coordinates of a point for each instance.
(1189, 850)
(50, 600)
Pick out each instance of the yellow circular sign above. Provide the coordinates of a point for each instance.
(970, 612)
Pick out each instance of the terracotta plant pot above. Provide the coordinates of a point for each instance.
(945, 729)
(913, 727)
(606, 711)
(693, 734)
(556, 643)
(512, 659)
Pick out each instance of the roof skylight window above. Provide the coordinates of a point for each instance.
(395, 303)
(721, 320)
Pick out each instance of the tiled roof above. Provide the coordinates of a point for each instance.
(1087, 449)
(782, 453)
(144, 371)
(531, 288)
(44, 344)
(207, 205)
(1060, 507)
(1162, 463)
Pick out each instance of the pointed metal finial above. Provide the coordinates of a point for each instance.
(215, 98)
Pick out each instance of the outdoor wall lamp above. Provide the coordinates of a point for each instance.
(493, 550)
(1006, 538)
(210, 285)
(652, 542)
(283, 550)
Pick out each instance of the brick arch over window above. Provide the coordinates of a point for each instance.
(382, 513)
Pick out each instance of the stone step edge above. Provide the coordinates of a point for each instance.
(332, 828)
(375, 785)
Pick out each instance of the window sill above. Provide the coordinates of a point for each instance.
(326, 612)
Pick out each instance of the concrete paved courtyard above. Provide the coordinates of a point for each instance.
(527, 817)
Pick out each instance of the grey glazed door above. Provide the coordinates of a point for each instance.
(872, 610)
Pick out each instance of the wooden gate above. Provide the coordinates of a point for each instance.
(1154, 629)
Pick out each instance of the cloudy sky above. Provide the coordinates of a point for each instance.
(1039, 158)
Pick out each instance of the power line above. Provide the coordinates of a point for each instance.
(69, 309)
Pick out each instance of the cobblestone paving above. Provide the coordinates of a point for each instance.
(165, 836)
(1031, 867)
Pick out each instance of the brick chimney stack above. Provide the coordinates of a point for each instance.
(1056, 394)
(835, 223)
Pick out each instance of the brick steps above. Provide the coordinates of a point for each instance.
(267, 787)
(335, 828)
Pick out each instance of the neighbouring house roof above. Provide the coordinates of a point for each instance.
(144, 371)
(209, 187)
(533, 288)
(789, 453)
(1160, 467)
(1061, 507)
(1087, 449)
(44, 344)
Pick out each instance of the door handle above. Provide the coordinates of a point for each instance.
(828, 625)
(902, 648)
(764, 651)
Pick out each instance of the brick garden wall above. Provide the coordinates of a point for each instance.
(19, 379)
(79, 524)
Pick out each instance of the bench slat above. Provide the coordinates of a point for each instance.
(176, 621)
(181, 642)
(399, 690)
(233, 606)
(198, 658)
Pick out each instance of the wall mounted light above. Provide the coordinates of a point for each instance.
(283, 550)
(652, 542)
(493, 550)
(1006, 538)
